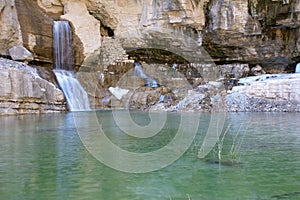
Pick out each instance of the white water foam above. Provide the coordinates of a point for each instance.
(76, 96)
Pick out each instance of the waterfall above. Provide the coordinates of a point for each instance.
(76, 96)
(139, 72)
(297, 70)
(62, 44)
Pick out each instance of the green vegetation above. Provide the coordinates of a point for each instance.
(227, 149)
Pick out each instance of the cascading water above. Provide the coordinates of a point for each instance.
(139, 72)
(76, 96)
(297, 70)
(62, 44)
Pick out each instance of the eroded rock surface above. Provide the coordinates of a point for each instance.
(24, 91)
(36, 29)
(255, 32)
(269, 93)
(86, 27)
(221, 39)
(10, 34)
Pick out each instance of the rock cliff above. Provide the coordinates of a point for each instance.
(202, 39)
(256, 32)
(22, 90)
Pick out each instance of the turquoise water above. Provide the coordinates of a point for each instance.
(42, 157)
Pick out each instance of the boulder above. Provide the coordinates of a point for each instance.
(257, 70)
(20, 53)
(118, 92)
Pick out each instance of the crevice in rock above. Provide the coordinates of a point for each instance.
(106, 31)
(157, 56)
(6, 56)
(226, 62)
(43, 64)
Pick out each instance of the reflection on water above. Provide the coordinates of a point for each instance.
(41, 156)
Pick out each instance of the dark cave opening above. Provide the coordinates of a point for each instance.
(157, 56)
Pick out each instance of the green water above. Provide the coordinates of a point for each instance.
(42, 157)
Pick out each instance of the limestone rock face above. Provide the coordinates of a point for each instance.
(278, 92)
(10, 34)
(36, 28)
(255, 32)
(86, 27)
(243, 37)
(51, 6)
(232, 16)
(24, 91)
(151, 13)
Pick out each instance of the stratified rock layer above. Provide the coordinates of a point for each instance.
(266, 93)
(24, 91)
(256, 32)
(191, 37)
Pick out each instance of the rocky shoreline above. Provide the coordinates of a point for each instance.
(194, 38)
(25, 91)
(266, 93)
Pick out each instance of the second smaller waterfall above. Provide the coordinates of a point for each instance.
(139, 72)
(297, 70)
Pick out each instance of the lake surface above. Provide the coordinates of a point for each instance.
(43, 157)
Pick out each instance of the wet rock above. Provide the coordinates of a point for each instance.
(234, 70)
(192, 102)
(146, 98)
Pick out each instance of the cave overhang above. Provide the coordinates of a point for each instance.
(162, 45)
